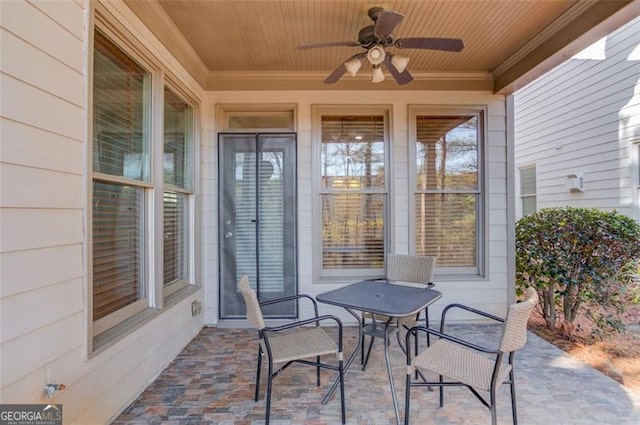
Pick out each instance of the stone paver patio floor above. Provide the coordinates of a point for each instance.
(212, 380)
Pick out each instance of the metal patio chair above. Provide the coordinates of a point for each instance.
(470, 365)
(295, 342)
(403, 269)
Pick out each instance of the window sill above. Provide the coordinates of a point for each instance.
(119, 331)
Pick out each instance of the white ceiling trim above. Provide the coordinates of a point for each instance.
(249, 80)
(556, 26)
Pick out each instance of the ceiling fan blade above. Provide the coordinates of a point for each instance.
(387, 22)
(335, 75)
(447, 44)
(330, 44)
(401, 78)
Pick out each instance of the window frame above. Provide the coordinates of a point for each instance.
(106, 330)
(227, 111)
(318, 111)
(522, 196)
(482, 207)
(188, 190)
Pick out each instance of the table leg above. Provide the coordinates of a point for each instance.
(349, 360)
(390, 375)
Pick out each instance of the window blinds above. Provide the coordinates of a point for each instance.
(353, 197)
(119, 149)
(447, 188)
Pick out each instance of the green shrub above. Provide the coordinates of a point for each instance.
(580, 260)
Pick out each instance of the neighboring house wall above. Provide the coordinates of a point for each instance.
(43, 336)
(583, 117)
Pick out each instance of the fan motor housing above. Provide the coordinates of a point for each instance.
(367, 37)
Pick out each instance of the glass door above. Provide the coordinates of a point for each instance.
(257, 225)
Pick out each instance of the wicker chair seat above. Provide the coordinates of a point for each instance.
(467, 364)
(295, 342)
(460, 364)
(301, 343)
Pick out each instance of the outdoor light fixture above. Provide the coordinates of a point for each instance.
(353, 65)
(377, 75)
(399, 62)
(376, 55)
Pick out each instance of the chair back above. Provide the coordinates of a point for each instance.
(410, 268)
(514, 332)
(254, 313)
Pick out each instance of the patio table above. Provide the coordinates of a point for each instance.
(378, 297)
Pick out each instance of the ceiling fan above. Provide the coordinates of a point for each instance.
(375, 39)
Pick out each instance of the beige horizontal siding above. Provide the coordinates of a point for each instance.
(40, 148)
(37, 188)
(22, 271)
(35, 27)
(43, 186)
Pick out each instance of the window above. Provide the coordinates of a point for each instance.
(261, 118)
(121, 176)
(178, 181)
(126, 250)
(352, 189)
(638, 164)
(528, 201)
(448, 195)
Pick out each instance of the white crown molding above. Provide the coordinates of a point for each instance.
(540, 38)
(158, 21)
(313, 80)
(582, 24)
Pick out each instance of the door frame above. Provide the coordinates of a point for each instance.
(256, 135)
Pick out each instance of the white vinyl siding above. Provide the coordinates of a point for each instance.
(580, 118)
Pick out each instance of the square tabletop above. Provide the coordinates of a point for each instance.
(380, 297)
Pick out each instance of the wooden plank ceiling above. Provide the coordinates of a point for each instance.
(253, 42)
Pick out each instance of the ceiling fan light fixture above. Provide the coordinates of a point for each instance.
(377, 76)
(400, 62)
(352, 66)
(374, 39)
(376, 55)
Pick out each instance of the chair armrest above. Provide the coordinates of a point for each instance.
(414, 330)
(315, 320)
(293, 297)
(467, 308)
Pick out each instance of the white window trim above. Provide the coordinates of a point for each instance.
(226, 110)
(117, 324)
(190, 190)
(519, 209)
(317, 111)
(482, 242)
